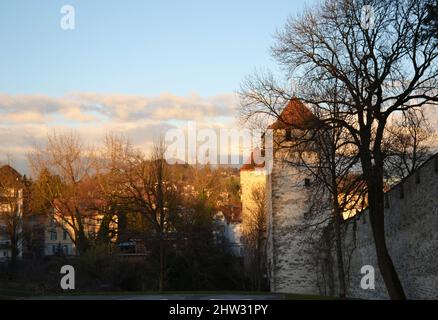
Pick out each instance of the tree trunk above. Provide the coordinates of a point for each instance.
(258, 262)
(14, 251)
(338, 244)
(82, 243)
(161, 279)
(14, 238)
(373, 173)
(377, 218)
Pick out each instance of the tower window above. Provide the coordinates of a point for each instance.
(288, 134)
(307, 182)
(417, 177)
(402, 191)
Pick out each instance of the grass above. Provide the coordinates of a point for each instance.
(156, 293)
(11, 294)
(177, 294)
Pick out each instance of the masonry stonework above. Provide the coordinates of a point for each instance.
(411, 224)
(289, 255)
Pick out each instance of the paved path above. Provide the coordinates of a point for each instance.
(167, 297)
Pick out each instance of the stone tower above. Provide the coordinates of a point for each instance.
(252, 178)
(290, 264)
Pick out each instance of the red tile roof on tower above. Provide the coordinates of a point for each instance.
(250, 164)
(296, 115)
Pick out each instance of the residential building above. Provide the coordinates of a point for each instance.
(13, 195)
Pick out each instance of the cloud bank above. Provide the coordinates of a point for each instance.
(25, 120)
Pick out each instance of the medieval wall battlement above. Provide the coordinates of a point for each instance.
(299, 265)
(411, 224)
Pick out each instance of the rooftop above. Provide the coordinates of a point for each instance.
(296, 115)
(250, 164)
(9, 176)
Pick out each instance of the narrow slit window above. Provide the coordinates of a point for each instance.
(288, 134)
(307, 182)
(386, 201)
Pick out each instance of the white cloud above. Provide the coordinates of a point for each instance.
(25, 120)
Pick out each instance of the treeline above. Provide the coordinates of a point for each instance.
(104, 198)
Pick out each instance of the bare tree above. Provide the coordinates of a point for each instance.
(148, 188)
(255, 236)
(65, 168)
(408, 144)
(332, 167)
(431, 25)
(383, 66)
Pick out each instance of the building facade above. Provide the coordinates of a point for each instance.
(24, 233)
(411, 224)
(289, 253)
(296, 265)
(229, 229)
(12, 208)
(289, 258)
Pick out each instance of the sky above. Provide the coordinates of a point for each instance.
(136, 47)
(132, 67)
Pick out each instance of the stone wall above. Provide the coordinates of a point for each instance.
(290, 264)
(411, 223)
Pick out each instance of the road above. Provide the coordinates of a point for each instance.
(166, 297)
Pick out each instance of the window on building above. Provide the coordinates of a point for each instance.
(53, 235)
(65, 249)
(64, 235)
(417, 177)
(402, 191)
(307, 182)
(54, 249)
(288, 134)
(436, 164)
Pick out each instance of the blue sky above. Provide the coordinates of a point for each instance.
(136, 47)
(138, 68)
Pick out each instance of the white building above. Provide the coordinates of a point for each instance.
(229, 229)
(12, 206)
